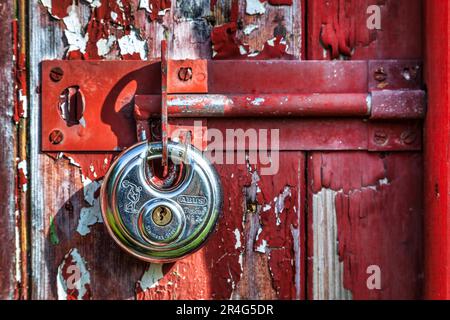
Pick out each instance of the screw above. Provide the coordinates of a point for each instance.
(185, 73)
(252, 207)
(56, 74)
(408, 137)
(56, 136)
(410, 73)
(380, 138)
(380, 75)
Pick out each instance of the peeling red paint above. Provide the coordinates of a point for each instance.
(20, 74)
(22, 177)
(274, 49)
(280, 199)
(225, 44)
(59, 8)
(72, 272)
(157, 6)
(176, 281)
(378, 212)
(344, 27)
(338, 28)
(108, 22)
(93, 166)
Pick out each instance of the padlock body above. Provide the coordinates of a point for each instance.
(157, 223)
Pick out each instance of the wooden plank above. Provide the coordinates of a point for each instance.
(9, 232)
(64, 196)
(67, 193)
(257, 251)
(437, 217)
(365, 215)
(339, 29)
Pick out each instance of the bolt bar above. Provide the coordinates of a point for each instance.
(267, 105)
(379, 105)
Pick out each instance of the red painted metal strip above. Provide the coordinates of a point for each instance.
(263, 105)
(187, 76)
(164, 124)
(314, 134)
(395, 74)
(395, 136)
(398, 105)
(108, 88)
(274, 77)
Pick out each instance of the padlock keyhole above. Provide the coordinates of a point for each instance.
(162, 216)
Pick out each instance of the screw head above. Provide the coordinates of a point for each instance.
(380, 138)
(408, 137)
(56, 74)
(252, 207)
(56, 136)
(380, 75)
(185, 73)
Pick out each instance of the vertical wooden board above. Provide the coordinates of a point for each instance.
(340, 29)
(68, 240)
(365, 215)
(254, 254)
(9, 276)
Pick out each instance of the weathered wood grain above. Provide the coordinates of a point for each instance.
(365, 210)
(9, 275)
(63, 194)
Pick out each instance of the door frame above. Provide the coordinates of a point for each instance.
(436, 151)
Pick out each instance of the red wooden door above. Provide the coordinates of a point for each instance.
(340, 219)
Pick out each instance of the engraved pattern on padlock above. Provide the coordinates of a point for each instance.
(158, 223)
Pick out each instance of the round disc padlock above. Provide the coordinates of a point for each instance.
(161, 220)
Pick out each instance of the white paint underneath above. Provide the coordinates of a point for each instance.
(328, 271)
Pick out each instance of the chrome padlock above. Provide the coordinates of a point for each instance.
(161, 220)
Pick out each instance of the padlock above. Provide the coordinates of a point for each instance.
(161, 220)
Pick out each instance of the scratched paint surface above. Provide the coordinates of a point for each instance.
(364, 210)
(338, 29)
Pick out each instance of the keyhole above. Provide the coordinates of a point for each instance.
(162, 216)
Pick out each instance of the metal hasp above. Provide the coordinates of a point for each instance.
(379, 104)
